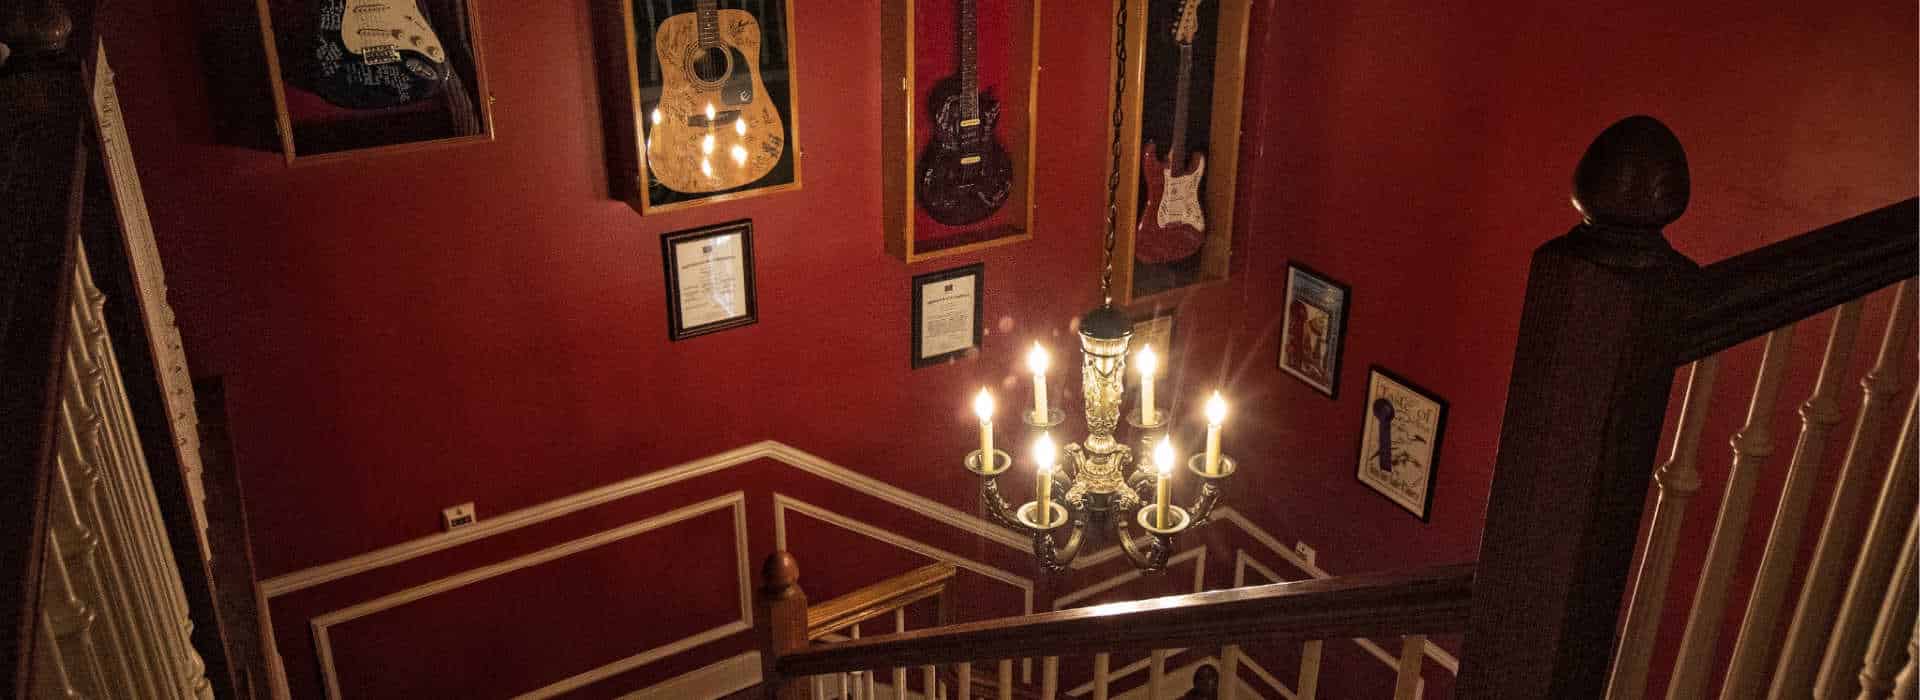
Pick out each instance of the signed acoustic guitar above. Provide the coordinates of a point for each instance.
(715, 128)
(965, 174)
(1174, 225)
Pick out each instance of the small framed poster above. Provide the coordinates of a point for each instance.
(1400, 441)
(1314, 332)
(1154, 331)
(946, 314)
(709, 279)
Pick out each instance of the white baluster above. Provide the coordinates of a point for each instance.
(1156, 673)
(71, 620)
(1413, 650)
(964, 684)
(1752, 446)
(1872, 569)
(930, 682)
(1903, 684)
(1101, 678)
(899, 672)
(1677, 479)
(1230, 672)
(1876, 679)
(50, 676)
(1839, 534)
(1006, 679)
(81, 547)
(1309, 671)
(1747, 671)
(1050, 678)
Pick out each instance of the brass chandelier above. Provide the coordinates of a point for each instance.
(1100, 486)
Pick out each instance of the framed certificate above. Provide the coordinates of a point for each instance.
(709, 279)
(1400, 441)
(946, 314)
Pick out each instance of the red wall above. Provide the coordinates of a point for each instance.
(485, 324)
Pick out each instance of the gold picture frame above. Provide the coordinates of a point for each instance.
(639, 78)
(905, 123)
(1221, 42)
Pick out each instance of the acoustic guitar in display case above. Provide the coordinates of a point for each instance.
(715, 127)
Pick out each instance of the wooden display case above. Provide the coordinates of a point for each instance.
(1148, 263)
(924, 51)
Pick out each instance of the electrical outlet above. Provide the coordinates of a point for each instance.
(458, 517)
(1304, 551)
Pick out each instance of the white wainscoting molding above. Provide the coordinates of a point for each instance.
(716, 680)
(1244, 562)
(1197, 555)
(736, 501)
(783, 503)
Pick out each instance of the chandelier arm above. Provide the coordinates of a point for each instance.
(1210, 495)
(1057, 560)
(997, 506)
(1150, 558)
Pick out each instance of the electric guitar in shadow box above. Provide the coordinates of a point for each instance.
(386, 54)
(965, 172)
(1173, 225)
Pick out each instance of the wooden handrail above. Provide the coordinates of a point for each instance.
(1742, 297)
(879, 599)
(1431, 601)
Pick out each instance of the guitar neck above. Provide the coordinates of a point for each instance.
(1177, 155)
(709, 11)
(969, 59)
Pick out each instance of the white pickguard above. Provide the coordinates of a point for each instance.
(377, 30)
(1180, 202)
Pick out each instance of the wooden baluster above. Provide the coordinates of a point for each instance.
(930, 682)
(1005, 680)
(1591, 374)
(1903, 684)
(80, 546)
(783, 608)
(1050, 678)
(1873, 568)
(1818, 416)
(899, 672)
(1876, 679)
(844, 693)
(1677, 480)
(1156, 673)
(1819, 596)
(1101, 678)
(50, 676)
(1413, 651)
(1230, 672)
(1309, 685)
(1752, 447)
(963, 685)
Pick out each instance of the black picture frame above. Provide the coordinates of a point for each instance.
(1144, 334)
(1307, 292)
(671, 244)
(1384, 385)
(920, 283)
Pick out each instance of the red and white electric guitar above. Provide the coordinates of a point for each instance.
(1174, 225)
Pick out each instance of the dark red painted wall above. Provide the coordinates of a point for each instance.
(484, 323)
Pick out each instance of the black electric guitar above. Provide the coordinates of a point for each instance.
(377, 53)
(965, 174)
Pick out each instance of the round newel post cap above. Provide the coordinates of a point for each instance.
(780, 572)
(1634, 176)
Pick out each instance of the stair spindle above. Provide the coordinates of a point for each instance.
(1839, 534)
(1818, 416)
(1230, 672)
(1413, 651)
(1873, 569)
(1101, 678)
(963, 685)
(1005, 679)
(1877, 678)
(1050, 678)
(1309, 685)
(1156, 672)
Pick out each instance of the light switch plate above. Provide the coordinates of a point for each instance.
(458, 516)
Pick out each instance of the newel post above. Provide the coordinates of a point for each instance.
(1588, 394)
(782, 611)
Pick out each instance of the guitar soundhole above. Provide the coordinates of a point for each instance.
(710, 65)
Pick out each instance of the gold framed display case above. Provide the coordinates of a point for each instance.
(361, 77)
(957, 102)
(704, 101)
(1175, 219)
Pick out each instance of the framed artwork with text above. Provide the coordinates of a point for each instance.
(709, 273)
(946, 314)
(1400, 441)
(1313, 332)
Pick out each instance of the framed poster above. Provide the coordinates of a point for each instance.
(1400, 441)
(946, 314)
(709, 279)
(957, 95)
(1314, 330)
(1179, 142)
(708, 110)
(365, 76)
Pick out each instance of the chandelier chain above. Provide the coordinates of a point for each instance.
(1113, 169)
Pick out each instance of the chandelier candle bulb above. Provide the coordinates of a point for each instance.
(1148, 362)
(1043, 454)
(983, 407)
(1037, 363)
(1163, 459)
(1216, 414)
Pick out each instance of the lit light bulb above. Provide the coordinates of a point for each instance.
(1037, 359)
(1216, 409)
(1147, 360)
(983, 405)
(706, 144)
(739, 155)
(1163, 456)
(740, 127)
(1044, 453)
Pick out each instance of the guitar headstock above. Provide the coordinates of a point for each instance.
(1189, 22)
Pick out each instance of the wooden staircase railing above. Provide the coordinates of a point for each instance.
(1433, 601)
